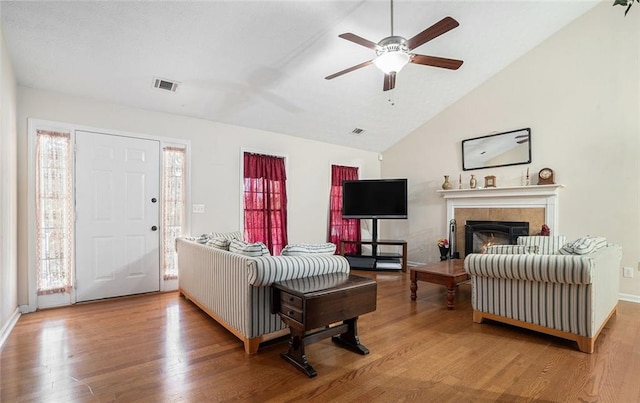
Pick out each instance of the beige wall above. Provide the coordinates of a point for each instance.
(8, 192)
(215, 169)
(579, 92)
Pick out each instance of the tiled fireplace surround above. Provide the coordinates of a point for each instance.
(536, 205)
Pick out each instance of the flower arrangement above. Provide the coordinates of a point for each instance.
(443, 243)
(545, 230)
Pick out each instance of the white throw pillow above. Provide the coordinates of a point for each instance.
(227, 235)
(547, 245)
(248, 249)
(298, 249)
(583, 246)
(219, 243)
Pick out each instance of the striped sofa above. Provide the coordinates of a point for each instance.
(235, 290)
(569, 296)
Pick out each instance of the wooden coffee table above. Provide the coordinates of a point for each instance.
(448, 273)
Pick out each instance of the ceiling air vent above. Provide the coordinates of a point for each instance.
(357, 131)
(166, 85)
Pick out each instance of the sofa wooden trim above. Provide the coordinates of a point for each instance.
(251, 345)
(585, 344)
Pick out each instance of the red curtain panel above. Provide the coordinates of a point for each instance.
(265, 201)
(340, 228)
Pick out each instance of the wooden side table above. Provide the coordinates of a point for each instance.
(310, 305)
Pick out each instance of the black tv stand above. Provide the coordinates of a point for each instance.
(377, 261)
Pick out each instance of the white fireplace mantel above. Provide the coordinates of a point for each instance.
(540, 196)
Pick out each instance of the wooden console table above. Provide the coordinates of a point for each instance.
(374, 246)
(449, 273)
(312, 303)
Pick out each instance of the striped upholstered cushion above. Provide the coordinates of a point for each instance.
(219, 243)
(512, 249)
(248, 249)
(601, 242)
(204, 238)
(298, 249)
(583, 246)
(541, 268)
(227, 235)
(269, 269)
(548, 245)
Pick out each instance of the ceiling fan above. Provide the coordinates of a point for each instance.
(393, 52)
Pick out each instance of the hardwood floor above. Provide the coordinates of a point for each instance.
(161, 347)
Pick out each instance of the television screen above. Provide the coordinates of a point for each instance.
(374, 198)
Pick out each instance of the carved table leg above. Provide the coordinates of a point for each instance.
(451, 295)
(296, 355)
(414, 285)
(349, 339)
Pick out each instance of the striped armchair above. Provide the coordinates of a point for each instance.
(235, 290)
(568, 296)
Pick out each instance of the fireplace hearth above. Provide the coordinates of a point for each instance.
(480, 234)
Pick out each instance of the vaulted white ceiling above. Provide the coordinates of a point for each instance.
(261, 64)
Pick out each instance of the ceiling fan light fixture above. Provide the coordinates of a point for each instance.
(391, 62)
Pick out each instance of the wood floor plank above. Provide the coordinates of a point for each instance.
(161, 347)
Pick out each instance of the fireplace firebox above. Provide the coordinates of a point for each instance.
(479, 234)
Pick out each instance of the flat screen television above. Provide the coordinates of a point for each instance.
(374, 198)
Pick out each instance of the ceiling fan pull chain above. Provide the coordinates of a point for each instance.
(391, 91)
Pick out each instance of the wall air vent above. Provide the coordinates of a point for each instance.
(357, 131)
(166, 85)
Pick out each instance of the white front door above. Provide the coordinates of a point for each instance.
(117, 215)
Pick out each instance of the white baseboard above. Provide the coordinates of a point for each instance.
(26, 309)
(630, 298)
(6, 329)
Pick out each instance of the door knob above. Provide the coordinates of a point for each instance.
(153, 200)
(154, 228)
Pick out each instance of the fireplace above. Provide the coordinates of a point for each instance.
(479, 234)
(536, 205)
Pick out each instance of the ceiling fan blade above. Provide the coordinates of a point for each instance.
(434, 61)
(522, 141)
(389, 81)
(443, 26)
(350, 69)
(359, 40)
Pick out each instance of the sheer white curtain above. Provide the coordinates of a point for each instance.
(54, 212)
(173, 206)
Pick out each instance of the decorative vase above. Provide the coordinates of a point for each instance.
(473, 182)
(446, 185)
(444, 253)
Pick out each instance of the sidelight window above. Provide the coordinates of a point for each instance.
(54, 212)
(173, 206)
